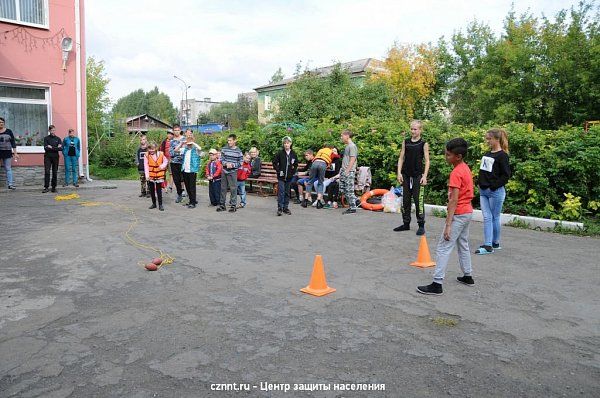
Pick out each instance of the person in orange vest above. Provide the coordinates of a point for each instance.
(317, 173)
(155, 166)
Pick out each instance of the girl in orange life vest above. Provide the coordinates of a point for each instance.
(155, 164)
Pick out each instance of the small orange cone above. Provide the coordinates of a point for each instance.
(318, 283)
(423, 258)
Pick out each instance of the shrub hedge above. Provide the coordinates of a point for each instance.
(556, 173)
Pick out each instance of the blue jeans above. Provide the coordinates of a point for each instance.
(71, 168)
(491, 207)
(283, 194)
(6, 163)
(241, 191)
(316, 173)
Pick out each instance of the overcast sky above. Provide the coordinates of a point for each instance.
(222, 48)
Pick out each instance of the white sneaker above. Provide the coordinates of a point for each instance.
(314, 204)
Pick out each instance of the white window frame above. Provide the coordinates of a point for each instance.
(18, 21)
(46, 101)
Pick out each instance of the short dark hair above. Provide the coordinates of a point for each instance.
(309, 152)
(348, 133)
(458, 146)
(51, 127)
(176, 125)
(1, 118)
(233, 136)
(70, 130)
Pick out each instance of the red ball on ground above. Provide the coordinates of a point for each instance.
(157, 261)
(151, 267)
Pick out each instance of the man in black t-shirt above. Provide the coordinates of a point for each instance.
(411, 174)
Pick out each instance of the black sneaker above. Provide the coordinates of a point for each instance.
(12, 187)
(279, 211)
(179, 199)
(349, 211)
(467, 280)
(287, 211)
(221, 208)
(421, 230)
(76, 185)
(304, 203)
(53, 190)
(403, 227)
(45, 190)
(495, 246)
(161, 208)
(319, 204)
(433, 289)
(190, 206)
(152, 207)
(232, 209)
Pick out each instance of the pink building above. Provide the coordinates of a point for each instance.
(42, 79)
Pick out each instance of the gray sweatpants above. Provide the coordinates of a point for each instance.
(228, 183)
(459, 237)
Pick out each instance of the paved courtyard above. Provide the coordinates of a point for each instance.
(79, 317)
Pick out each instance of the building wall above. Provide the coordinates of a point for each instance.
(40, 65)
(196, 107)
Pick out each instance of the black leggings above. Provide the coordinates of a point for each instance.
(155, 189)
(177, 177)
(333, 191)
(189, 179)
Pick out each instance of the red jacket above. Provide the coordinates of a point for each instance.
(217, 169)
(244, 171)
(164, 148)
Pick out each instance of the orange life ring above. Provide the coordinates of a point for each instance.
(369, 206)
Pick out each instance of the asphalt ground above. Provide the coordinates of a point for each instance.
(79, 316)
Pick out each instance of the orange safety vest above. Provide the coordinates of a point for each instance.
(324, 154)
(154, 171)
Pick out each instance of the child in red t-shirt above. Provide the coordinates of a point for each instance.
(460, 212)
(242, 175)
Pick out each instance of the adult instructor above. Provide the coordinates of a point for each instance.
(52, 147)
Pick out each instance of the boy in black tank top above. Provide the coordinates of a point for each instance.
(412, 174)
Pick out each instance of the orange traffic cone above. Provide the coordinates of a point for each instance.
(423, 258)
(318, 283)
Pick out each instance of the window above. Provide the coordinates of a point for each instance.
(267, 103)
(27, 114)
(26, 12)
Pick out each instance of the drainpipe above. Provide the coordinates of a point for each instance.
(78, 88)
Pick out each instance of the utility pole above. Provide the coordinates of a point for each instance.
(187, 106)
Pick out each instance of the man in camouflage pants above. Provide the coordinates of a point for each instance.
(348, 171)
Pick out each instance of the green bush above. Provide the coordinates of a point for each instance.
(555, 173)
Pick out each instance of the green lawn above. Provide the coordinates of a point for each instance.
(113, 173)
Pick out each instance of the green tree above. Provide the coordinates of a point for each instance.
(277, 76)
(153, 102)
(96, 95)
(336, 96)
(234, 114)
(546, 73)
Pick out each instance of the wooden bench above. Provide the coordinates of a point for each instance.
(267, 180)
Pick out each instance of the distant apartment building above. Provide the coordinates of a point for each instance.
(192, 108)
(268, 93)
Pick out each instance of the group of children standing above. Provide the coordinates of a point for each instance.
(228, 169)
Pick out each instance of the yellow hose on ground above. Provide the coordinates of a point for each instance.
(166, 258)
